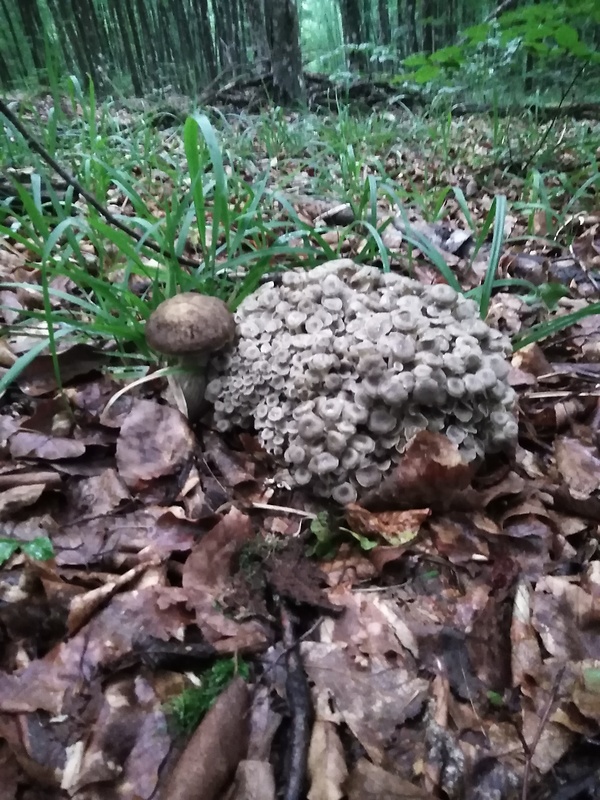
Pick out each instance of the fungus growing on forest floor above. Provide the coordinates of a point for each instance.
(190, 327)
(338, 367)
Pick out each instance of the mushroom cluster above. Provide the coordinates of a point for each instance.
(338, 367)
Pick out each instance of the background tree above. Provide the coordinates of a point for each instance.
(283, 34)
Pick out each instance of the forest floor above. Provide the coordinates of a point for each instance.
(447, 646)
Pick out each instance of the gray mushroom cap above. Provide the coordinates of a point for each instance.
(190, 323)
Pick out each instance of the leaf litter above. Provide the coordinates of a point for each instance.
(447, 626)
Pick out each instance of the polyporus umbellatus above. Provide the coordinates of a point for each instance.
(338, 367)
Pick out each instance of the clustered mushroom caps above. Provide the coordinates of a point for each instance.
(338, 367)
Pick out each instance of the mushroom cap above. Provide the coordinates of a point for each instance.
(189, 323)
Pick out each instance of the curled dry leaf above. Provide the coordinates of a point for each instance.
(216, 748)
(372, 701)
(369, 782)
(395, 527)
(29, 444)
(431, 472)
(39, 378)
(19, 497)
(579, 466)
(155, 441)
(326, 763)
(254, 780)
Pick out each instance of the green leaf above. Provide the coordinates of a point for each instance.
(495, 699)
(591, 680)
(365, 543)
(566, 36)
(7, 548)
(551, 293)
(416, 60)
(427, 73)
(39, 548)
(477, 34)
(448, 56)
(320, 529)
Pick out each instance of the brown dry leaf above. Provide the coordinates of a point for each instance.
(326, 763)
(350, 566)
(216, 748)
(84, 605)
(373, 702)
(155, 441)
(367, 781)
(565, 617)
(395, 527)
(254, 780)
(579, 466)
(461, 537)
(153, 609)
(371, 626)
(552, 740)
(19, 497)
(207, 577)
(87, 540)
(531, 359)
(29, 444)
(526, 657)
(7, 357)
(128, 743)
(98, 495)
(38, 377)
(228, 464)
(10, 774)
(429, 475)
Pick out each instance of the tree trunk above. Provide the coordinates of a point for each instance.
(427, 9)
(255, 14)
(32, 27)
(16, 40)
(283, 32)
(132, 64)
(207, 46)
(385, 33)
(353, 32)
(412, 40)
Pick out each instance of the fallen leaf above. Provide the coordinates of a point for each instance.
(579, 466)
(12, 500)
(397, 528)
(430, 473)
(367, 781)
(326, 763)
(216, 748)
(155, 441)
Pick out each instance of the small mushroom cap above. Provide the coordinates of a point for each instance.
(189, 323)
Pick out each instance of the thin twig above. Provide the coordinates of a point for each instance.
(283, 509)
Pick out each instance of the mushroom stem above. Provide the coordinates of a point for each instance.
(191, 382)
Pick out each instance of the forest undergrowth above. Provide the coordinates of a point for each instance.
(148, 552)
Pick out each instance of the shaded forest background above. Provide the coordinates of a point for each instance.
(463, 47)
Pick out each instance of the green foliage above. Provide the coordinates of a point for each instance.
(328, 535)
(554, 35)
(188, 708)
(39, 549)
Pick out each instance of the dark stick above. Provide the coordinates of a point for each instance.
(93, 202)
(299, 702)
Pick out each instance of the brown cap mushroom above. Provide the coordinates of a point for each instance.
(191, 327)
